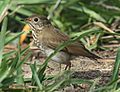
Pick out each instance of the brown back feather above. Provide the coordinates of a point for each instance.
(55, 38)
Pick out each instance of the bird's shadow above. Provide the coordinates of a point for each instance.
(93, 74)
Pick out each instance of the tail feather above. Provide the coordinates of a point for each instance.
(82, 52)
(93, 56)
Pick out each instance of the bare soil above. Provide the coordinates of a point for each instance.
(82, 68)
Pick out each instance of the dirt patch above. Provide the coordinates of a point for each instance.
(82, 68)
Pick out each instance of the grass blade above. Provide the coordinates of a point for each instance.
(4, 5)
(31, 2)
(10, 37)
(35, 76)
(115, 74)
(2, 38)
(89, 12)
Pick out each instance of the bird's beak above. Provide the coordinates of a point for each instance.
(27, 19)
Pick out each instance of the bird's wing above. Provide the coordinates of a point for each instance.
(76, 48)
(54, 38)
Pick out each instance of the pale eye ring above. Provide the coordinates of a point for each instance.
(36, 19)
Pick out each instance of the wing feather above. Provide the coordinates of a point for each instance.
(77, 48)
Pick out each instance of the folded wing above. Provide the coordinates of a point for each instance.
(76, 48)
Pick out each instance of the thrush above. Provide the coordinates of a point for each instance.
(48, 38)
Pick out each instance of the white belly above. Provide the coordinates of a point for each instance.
(61, 57)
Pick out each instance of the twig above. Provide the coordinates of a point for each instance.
(55, 7)
(106, 6)
(20, 6)
(101, 25)
(4, 13)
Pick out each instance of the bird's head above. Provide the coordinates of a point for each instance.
(37, 22)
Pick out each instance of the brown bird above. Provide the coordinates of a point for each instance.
(48, 38)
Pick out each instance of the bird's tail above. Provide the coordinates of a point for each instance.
(93, 56)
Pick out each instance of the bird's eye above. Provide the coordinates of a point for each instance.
(36, 19)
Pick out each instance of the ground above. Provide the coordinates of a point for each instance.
(82, 68)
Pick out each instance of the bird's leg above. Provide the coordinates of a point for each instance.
(60, 67)
(68, 65)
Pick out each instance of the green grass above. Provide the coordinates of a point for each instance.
(68, 15)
